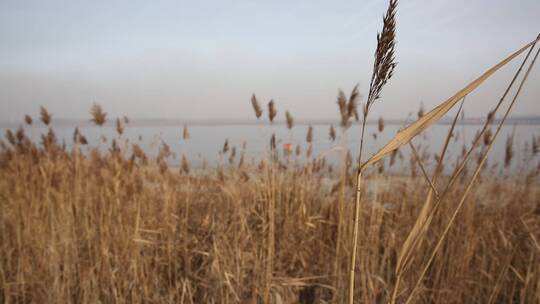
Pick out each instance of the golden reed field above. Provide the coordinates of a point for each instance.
(80, 224)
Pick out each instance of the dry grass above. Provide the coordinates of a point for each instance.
(83, 224)
(112, 227)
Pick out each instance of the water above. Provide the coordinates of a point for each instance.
(206, 141)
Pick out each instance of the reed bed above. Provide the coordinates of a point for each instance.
(84, 224)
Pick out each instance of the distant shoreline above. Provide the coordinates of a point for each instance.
(63, 122)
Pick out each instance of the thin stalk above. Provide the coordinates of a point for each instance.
(419, 161)
(271, 224)
(341, 202)
(356, 212)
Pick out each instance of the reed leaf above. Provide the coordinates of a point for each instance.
(405, 135)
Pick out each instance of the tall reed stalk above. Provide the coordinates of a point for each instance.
(383, 69)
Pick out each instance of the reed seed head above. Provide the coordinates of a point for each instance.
(256, 106)
(10, 137)
(490, 117)
(45, 116)
(332, 133)
(272, 112)
(232, 155)
(535, 146)
(393, 157)
(82, 140)
(19, 134)
(289, 120)
(509, 150)
(352, 105)
(309, 135)
(487, 137)
(348, 108)
(79, 138)
(76, 134)
(421, 110)
(98, 115)
(28, 119)
(119, 126)
(384, 64)
(342, 105)
(225, 146)
(185, 133)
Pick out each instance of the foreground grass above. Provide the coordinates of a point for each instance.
(110, 228)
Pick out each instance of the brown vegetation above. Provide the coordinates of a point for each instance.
(114, 226)
(82, 224)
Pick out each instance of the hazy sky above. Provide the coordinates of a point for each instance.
(203, 59)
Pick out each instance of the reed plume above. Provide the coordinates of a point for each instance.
(342, 105)
(383, 68)
(49, 140)
(185, 133)
(289, 120)
(11, 137)
(490, 117)
(509, 150)
(98, 115)
(273, 145)
(332, 133)
(421, 111)
(272, 112)
(138, 153)
(232, 155)
(309, 135)
(384, 65)
(256, 106)
(348, 108)
(487, 137)
(393, 157)
(82, 140)
(76, 134)
(45, 116)
(28, 119)
(78, 138)
(119, 126)
(225, 148)
(352, 105)
(535, 146)
(19, 134)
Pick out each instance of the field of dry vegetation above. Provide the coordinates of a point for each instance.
(117, 226)
(80, 224)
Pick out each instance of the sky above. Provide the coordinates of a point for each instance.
(202, 60)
